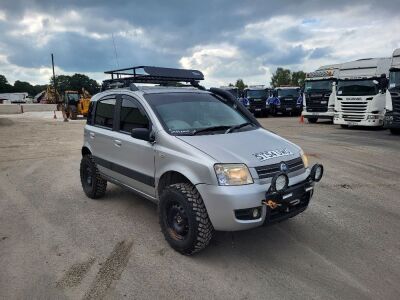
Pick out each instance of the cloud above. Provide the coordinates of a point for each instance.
(226, 39)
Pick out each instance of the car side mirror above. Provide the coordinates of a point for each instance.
(144, 134)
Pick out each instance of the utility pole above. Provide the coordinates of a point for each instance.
(55, 91)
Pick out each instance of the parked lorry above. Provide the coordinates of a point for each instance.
(286, 100)
(360, 92)
(255, 99)
(319, 93)
(392, 115)
(231, 89)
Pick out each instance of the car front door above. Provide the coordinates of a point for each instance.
(133, 158)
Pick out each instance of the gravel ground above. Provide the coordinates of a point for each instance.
(55, 243)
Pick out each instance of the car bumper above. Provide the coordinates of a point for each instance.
(224, 202)
(319, 115)
(392, 120)
(287, 109)
(363, 122)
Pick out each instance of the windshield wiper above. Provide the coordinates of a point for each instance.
(238, 127)
(212, 128)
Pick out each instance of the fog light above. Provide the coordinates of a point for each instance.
(316, 172)
(256, 213)
(280, 182)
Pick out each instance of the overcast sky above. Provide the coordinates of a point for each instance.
(224, 39)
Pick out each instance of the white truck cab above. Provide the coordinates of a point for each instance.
(361, 92)
(319, 93)
(392, 115)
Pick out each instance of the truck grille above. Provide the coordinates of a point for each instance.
(313, 104)
(395, 101)
(271, 170)
(354, 111)
(257, 104)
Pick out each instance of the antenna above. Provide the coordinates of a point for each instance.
(115, 50)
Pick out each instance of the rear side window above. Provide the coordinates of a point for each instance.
(90, 113)
(132, 116)
(105, 113)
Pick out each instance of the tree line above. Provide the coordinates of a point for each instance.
(64, 82)
(280, 77)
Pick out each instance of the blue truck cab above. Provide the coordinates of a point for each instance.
(255, 98)
(286, 100)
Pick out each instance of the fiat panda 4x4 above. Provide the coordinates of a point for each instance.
(199, 154)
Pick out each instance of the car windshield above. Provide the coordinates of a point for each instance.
(363, 87)
(394, 79)
(187, 113)
(256, 93)
(318, 85)
(288, 92)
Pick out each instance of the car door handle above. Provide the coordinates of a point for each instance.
(92, 135)
(117, 143)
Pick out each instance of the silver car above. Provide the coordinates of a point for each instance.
(199, 154)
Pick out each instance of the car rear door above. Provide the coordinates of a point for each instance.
(100, 135)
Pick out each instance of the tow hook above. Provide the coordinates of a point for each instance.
(271, 204)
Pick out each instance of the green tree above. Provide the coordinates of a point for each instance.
(281, 77)
(76, 82)
(298, 78)
(5, 87)
(240, 85)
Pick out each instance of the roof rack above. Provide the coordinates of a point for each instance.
(146, 74)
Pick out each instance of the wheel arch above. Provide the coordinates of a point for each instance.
(171, 177)
(85, 151)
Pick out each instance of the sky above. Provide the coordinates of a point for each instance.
(224, 39)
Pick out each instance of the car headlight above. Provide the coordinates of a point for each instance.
(233, 174)
(304, 159)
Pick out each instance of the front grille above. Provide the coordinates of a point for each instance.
(257, 104)
(354, 111)
(271, 170)
(395, 101)
(314, 104)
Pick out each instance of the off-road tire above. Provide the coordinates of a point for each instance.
(98, 185)
(312, 120)
(200, 229)
(395, 131)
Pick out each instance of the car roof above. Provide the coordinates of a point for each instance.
(145, 90)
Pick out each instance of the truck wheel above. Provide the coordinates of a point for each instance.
(93, 184)
(395, 131)
(73, 114)
(183, 218)
(312, 120)
(344, 126)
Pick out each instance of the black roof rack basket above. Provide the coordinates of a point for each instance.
(146, 74)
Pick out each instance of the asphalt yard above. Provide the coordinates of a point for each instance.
(55, 243)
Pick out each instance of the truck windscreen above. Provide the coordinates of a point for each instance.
(288, 93)
(394, 79)
(363, 87)
(256, 93)
(318, 85)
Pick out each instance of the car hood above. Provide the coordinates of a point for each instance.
(254, 148)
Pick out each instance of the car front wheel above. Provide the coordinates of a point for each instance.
(183, 219)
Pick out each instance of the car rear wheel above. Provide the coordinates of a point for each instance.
(183, 219)
(93, 184)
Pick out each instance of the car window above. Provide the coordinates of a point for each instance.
(131, 116)
(105, 113)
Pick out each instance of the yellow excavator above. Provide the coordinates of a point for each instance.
(76, 103)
